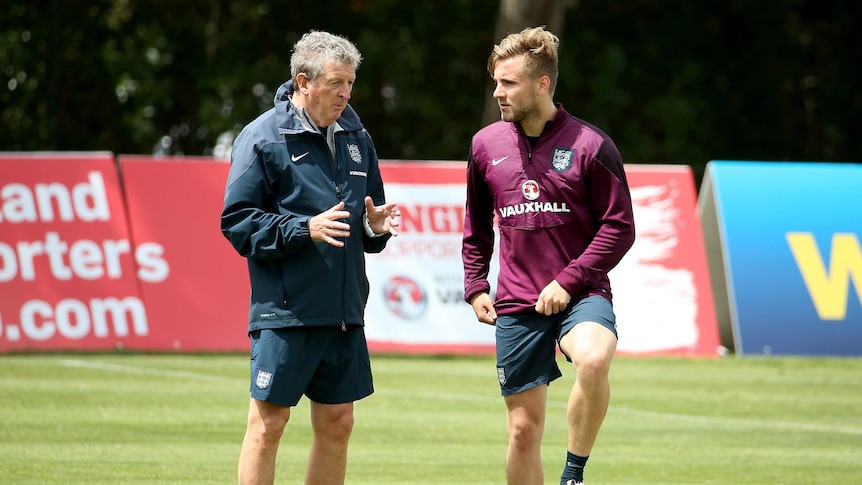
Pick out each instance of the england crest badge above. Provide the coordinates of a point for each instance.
(263, 379)
(562, 159)
(354, 152)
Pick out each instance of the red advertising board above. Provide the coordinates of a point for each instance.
(416, 303)
(67, 263)
(197, 299)
(93, 260)
(662, 292)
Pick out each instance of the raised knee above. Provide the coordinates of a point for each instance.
(592, 366)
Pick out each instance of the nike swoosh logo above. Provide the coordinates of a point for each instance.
(498, 160)
(295, 158)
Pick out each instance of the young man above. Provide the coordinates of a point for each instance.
(557, 187)
(304, 201)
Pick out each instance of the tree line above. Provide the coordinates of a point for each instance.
(671, 82)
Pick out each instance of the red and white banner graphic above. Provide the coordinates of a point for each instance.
(417, 283)
(92, 261)
(69, 271)
(662, 292)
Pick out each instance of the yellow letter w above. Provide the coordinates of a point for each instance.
(829, 291)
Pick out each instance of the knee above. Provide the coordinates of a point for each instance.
(525, 434)
(592, 366)
(268, 425)
(342, 426)
(336, 426)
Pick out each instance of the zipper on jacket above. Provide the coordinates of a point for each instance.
(525, 142)
(529, 149)
(336, 175)
(336, 169)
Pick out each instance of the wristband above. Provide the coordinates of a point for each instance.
(367, 225)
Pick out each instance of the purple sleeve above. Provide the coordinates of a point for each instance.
(611, 203)
(478, 243)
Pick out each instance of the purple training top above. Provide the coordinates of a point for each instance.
(563, 209)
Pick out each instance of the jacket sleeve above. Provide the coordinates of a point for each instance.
(375, 191)
(248, 219)
(611, 203)
(478, 243)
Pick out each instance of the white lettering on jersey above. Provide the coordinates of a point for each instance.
(527, 207)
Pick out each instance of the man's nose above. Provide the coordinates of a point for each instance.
(344, 92)
(498, 92)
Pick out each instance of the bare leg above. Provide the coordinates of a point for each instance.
(591, 348)
(266, 423)
(525, 420)
(332, 425)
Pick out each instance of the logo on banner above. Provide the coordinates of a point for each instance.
(405, 297)
(562, 159)
(530, 189)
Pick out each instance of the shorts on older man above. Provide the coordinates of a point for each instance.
(328, 364)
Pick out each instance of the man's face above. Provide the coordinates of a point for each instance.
(516, 92)
(327, 95)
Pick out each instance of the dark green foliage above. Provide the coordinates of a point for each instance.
(671, 83)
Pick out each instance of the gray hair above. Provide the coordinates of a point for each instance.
(315, 48)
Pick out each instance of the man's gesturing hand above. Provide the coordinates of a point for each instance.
(326, 226)
(382, 218)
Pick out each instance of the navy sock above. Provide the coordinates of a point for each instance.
(574, 468)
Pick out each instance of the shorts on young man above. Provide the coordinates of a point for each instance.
(327, 364)
(527, 342)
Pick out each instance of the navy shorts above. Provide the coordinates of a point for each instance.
(327, 364)
(527, 342)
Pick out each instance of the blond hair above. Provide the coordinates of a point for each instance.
(539, 48)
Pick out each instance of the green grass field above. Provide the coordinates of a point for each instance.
(179, 419)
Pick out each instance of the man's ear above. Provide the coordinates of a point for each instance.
(543, 85)
(302, 83)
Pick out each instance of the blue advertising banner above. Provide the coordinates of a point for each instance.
(787, 238)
